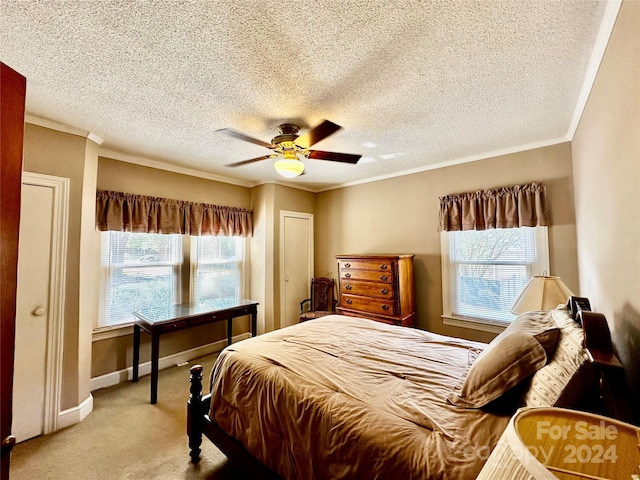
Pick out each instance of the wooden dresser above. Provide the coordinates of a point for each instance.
(378, 287)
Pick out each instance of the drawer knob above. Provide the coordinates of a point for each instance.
(347, 265)
(384, 267)
(384, 291)
(348, 275)
(385, 307)
(348, 287)
(384, 278)
(349, 301)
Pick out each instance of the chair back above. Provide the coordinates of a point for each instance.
(322, 294)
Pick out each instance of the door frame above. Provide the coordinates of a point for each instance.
(57, 277)
(302, 215)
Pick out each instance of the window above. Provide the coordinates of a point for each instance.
(143, 270)
(484, 271)
(138, 270)
(216, 267)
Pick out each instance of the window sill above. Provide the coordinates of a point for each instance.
(104, 333)
(491, 326)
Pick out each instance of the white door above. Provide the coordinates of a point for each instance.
(42, 259)
(296, 260)
(34, 263)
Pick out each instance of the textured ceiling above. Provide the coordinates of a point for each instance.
(414, 84)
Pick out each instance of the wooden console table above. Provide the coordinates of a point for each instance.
(157, 321)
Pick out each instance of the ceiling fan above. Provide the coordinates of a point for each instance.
(293, 147)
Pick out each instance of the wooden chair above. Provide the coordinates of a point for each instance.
(321, 302)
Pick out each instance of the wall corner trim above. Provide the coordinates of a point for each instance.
(597, 55)
(75, 415)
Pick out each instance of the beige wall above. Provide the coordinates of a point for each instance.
(400, 215)
(262, 266)
(54, 153)
(267, 202)
(606, 156)
(131, 178)
(114, 354)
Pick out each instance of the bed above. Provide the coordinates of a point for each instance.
(380, 401)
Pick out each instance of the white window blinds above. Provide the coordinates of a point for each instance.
(217, 265)
(489, 268)
(138, 270)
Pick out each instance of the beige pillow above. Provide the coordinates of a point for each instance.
(508, 360)
(539, 324)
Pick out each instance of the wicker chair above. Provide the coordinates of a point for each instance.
(321, 302)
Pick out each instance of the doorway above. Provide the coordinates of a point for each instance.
(296, 263)
(40, 305)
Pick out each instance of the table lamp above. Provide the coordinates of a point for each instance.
(541, 293)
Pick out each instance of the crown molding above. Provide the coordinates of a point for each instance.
(457, 161)
(602, 40)
(297, 186)
(61, 127)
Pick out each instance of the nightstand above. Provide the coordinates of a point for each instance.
(551, 443)
(611, 392)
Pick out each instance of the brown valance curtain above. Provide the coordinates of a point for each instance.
(508, 207)
(126, 212)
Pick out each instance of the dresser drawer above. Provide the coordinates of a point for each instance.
(368, 275)
(367, 304)
(366, 289)
(380, 265)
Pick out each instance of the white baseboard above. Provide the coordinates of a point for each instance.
(121, 376)
(74, 415)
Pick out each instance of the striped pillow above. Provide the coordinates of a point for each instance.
(568, 375)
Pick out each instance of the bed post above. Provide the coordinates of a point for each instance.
(195, 413)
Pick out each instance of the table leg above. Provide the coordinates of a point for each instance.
(136, 352)
(155, 354)
(229, 330)
(254, 322)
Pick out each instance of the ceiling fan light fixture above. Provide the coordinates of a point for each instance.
(289, 167)
(293, 148)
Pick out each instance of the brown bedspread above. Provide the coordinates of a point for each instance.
(343, 397)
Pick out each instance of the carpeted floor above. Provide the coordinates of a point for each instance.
(125, 437)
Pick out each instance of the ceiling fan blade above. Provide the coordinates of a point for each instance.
(334, 156)
(241, 136)
(246, 162)
(316, 134)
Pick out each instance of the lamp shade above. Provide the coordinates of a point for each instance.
(530, 450)
(541, 293)
(289, 167)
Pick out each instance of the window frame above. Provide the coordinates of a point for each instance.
(184, 286)
(192, 264)
(104, 272)
(539, 267)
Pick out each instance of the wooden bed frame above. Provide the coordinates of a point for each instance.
(610, 397)
(199, 423)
